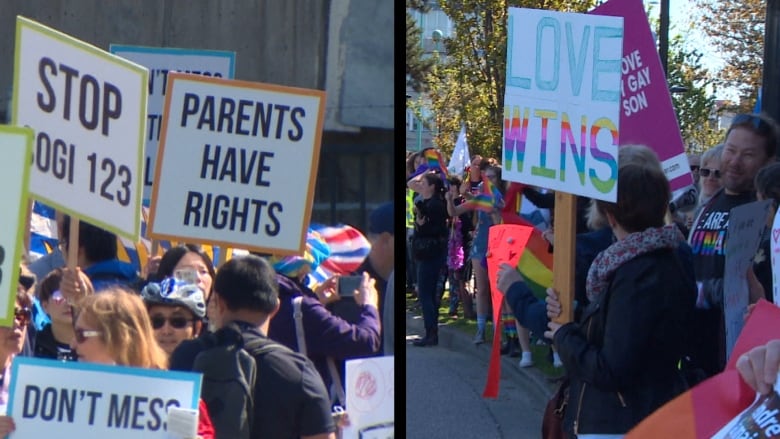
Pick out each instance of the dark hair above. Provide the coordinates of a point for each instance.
(98, 244)
(642, 197)
(174, 255)
(768, 182)
(500, 183)
(49, 284)
(410, 162)
(247, 283)
(454, 180)
(23, 294)
(761, 125)
(438, 184)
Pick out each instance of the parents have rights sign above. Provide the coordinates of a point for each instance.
(237, 163)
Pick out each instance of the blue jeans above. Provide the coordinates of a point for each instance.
(428, 275)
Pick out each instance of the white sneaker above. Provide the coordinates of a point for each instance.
(526, 361)
(557, 360)
(479, 337)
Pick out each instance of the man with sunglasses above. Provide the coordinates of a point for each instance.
(751, 143)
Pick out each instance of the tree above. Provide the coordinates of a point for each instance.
(736, 29)
(468, 87)
(417, 66)
(694, 106)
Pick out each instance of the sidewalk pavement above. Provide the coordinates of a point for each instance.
(539, 386)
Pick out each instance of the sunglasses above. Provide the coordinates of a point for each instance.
(694, 168)
(23, 316)
(706, 173)
(83, 334)
(176, 322)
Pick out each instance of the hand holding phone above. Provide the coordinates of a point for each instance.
(348, 284)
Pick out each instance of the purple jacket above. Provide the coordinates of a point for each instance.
(326, 334)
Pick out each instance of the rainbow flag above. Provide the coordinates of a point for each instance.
(536, 263)
(433, 156)
(705, 409)
(482, 202)
(488, 198)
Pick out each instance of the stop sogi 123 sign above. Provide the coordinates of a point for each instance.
(88, 110)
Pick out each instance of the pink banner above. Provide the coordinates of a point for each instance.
(646, 113)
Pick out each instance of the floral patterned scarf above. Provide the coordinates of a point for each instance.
(617, 254)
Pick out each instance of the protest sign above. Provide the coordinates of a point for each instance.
(506, 243)
(66, 399)
(647, 116)
(775, 251)
(14, 178)
(562, 101)
(747, 224)
(88, 109)
(370, 398)
(160, 61)
(237, 163)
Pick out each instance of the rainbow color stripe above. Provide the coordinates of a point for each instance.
(536, 262)
(482, 202)
(433, 156)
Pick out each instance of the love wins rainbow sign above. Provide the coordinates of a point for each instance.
(562, 101)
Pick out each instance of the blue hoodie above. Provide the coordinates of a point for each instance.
(113, 272)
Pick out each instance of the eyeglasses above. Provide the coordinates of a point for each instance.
(706, 173)
(57, 297)
(176, 322)
(23, 316)
(694, 168)
(83, 334)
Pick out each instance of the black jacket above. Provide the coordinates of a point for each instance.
(46, 345)
(622, 358)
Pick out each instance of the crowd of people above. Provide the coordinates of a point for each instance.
(180, 312)
(649, 273)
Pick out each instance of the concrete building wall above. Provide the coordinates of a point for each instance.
(342, 46)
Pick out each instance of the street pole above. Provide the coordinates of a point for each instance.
(770, 94)
(422, 45)
(663, 37)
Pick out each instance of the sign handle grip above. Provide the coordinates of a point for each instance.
(73, 243)
(563, 256)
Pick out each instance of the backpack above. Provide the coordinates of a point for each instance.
(229, 374)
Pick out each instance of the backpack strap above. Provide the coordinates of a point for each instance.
(337, 390)
(300, 335)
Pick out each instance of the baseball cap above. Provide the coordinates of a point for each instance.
(381, 219)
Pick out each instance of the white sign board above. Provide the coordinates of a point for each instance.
(562, 101)
(160, 61)
(371, 398)
(88, 109)
(14, 179)
(237, 164)
(747, 224)
(51, 398)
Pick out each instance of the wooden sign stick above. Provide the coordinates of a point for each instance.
(27, 232)
(563, 255)
(73, 243)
